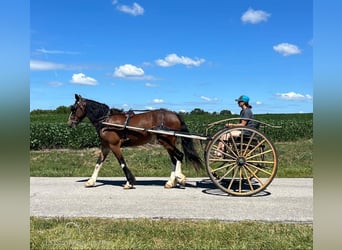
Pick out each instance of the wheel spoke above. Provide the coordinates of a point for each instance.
(248, 179)
(265, 162)
(222, 167)
(260, 169)
(257, 146)
(249, 144)
(232, 180)
(235, 147)
(221, 160)
(259, 154)
(254, 175)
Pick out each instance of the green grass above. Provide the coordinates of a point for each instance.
(295, 160)
(91, 233)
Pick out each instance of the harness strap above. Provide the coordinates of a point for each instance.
(98, 122)
(129, 114)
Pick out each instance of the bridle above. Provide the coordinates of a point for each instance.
(73, 118)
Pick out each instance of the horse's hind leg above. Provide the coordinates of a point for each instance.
(176, 174)
(176, 163)
(103, 155)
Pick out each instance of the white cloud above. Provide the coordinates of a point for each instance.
(208, 99)
(134, 10)
(258, 102)
(173, 59)
(287, 49)
(294, 96)
(125, 106)
(205, 98)
(82, 79)
(158, 100)
(55, 84)
(44, 65)
(45, 51)
(150, 85)
(254, 16)
(128, 70)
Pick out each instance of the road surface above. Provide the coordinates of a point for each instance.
(285, 200)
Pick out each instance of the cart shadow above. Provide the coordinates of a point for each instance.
(211, 189)
(207, 185)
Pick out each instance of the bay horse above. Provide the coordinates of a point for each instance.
(113, 138)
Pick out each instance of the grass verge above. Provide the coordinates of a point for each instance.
(295, 160)
(91, 233)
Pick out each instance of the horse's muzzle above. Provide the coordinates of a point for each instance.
(72, 124)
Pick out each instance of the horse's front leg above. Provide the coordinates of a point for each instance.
(129, 176)
(103, 155)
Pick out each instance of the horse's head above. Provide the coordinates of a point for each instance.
(78, 111)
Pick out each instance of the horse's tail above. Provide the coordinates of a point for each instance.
(189, 150)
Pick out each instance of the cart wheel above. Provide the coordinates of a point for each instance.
(241, 161)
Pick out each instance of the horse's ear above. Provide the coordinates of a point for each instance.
(77, 97)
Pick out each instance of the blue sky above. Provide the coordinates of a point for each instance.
(174, 54)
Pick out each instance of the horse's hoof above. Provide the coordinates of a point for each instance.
(170, 184)
(181, 180)
(128, 186)
(89, 184)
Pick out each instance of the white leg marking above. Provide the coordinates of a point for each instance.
(91, 182)
(179, 175)
(172, 181)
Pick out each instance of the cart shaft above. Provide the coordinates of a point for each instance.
(159, 131)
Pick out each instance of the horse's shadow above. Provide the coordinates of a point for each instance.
(121, 183)
(207, 185)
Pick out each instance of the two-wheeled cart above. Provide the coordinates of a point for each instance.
(240, 161)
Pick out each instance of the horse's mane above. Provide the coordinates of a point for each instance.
(114, 111)
(96, 110)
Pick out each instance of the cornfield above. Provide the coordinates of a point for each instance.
(51, 131)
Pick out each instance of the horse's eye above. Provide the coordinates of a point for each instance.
(72, 108)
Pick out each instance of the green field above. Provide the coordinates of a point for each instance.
(49, 129)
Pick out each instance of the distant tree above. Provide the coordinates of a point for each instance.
(198, 111)
(40, 111)
(62, 110)
(225, 112)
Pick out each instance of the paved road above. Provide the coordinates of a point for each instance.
(285, 200)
